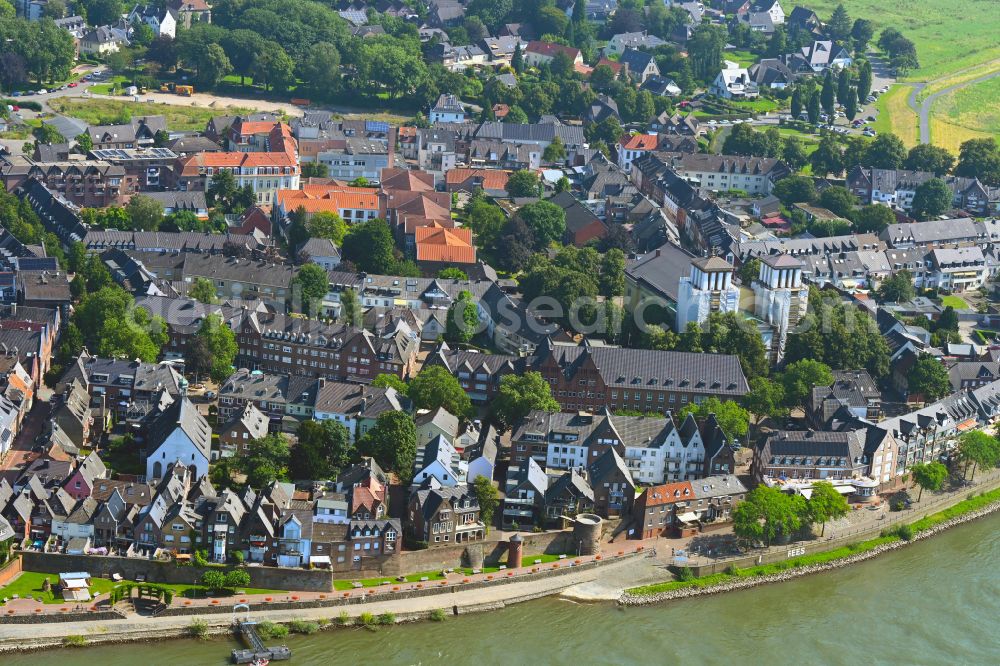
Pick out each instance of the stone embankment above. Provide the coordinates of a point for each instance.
(628, 599)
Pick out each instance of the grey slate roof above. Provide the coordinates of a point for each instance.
(184, 415)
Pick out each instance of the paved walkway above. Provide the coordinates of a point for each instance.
(530, 587)
(923, 107)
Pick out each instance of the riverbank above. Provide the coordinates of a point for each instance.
(455, 601)
(970, 509)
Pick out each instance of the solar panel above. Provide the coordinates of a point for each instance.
(377, 126)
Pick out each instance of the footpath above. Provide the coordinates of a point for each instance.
(458, 601)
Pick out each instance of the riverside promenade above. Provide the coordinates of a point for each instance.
(618, 566)
(630, 567)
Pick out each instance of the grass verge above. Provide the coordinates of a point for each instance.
(896, 116)
(959, 509)
(110, 111)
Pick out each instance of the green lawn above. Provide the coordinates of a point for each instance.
(105, 111)
(954, 301)
(948, 35)
(741, 57)
(107, 87)
(29, 584)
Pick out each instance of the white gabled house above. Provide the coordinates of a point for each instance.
(162, 21)
(734, 82)
(439, 466)
(178, 434)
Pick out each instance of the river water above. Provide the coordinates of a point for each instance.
(936, 602)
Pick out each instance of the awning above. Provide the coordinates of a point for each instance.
(319, 559)
(688, 517)
(76, 595)
(806, 492)
(844, 490)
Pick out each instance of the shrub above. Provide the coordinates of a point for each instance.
(268, 630)
(75, 641)
(685, 574)
(387, 619)
(366, 619)
(198, 628)
(303, 627)
(905, 532)
(438, 615)
(344, 618)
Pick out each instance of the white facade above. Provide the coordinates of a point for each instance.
(734, 82)
(178, 447)
(705, 291)
(780, 298)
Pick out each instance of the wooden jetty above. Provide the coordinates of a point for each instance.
(256, 650)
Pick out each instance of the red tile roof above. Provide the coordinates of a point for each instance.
(315, 198)
(492, 179)
(640, 142)
(549, 50)
(616, 67)
(668, 493)
(445, 245)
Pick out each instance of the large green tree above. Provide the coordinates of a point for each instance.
(313, 283)
(524, 183)
(265, 461)
(546, 220)
(929, 476)
(800, 377)
(931, 198)
(370, 247)
(435, 387)
(732, 418)
(826, 504)
(897, 288)
(977, 448)
(928, 378)
(322, 449)
(768, 513)
(392, 442)
(518, 395)
(221, 341)
(202, 290)
(839, 335)
(487, 497)
(463, 319)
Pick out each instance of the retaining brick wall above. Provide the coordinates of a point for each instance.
(50, 618)
(337, 600)
(10, 570)
(102, 566)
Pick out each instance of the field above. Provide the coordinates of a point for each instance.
(105, 111)
(967, 113)
(894, 115)
(949, 35)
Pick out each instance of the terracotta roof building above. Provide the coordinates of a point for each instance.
(447, 246)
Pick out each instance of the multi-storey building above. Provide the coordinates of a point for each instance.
(265, 172)
(289, 345)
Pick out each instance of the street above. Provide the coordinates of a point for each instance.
(20, 453)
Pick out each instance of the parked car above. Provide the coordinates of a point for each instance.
(210, 395)
(43, 91)
(74, 84)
